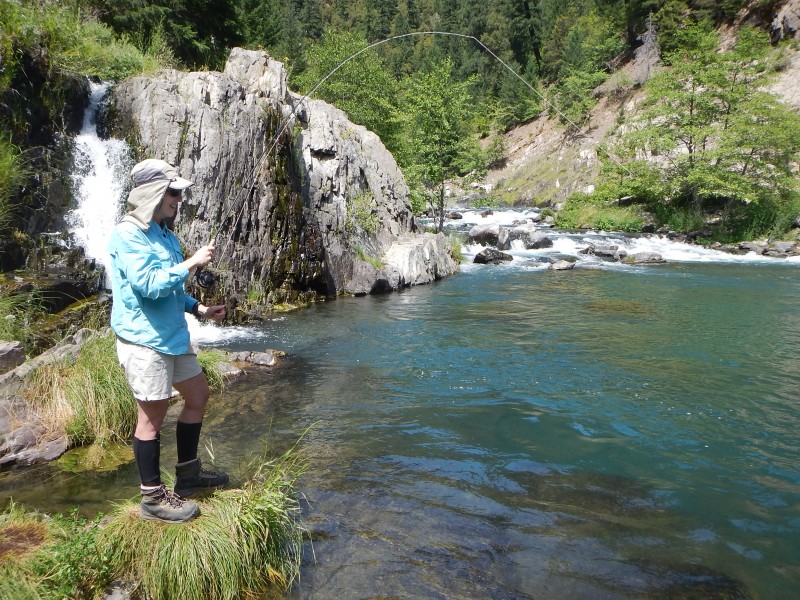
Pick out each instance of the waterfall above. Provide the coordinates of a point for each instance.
(101, 169)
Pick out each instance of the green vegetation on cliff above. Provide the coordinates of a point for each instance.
(709, 140)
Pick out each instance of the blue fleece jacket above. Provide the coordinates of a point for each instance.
(147, 284)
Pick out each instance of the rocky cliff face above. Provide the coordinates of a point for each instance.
(303, 204)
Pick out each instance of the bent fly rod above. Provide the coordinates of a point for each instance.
(250, 187)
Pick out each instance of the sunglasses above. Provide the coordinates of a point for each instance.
(173, 193)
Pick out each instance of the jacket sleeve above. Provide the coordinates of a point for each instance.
(189, 303)
(144, 269)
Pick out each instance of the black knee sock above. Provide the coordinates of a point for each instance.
(147, 454)
(187, 435)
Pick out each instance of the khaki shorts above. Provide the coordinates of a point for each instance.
(152, 374)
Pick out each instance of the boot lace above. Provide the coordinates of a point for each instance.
(206, 473)
(169, 497)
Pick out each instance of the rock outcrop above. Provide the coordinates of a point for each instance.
(302, 203)
(786, 23)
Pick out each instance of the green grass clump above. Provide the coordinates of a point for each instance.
(245, 542)
(210, 361)
(12, 173)
(88, 397)
(19, 315)
(456, 246)
(43, 558)
(581, 210)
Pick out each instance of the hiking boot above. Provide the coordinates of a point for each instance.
(162, 504)
(191, 478)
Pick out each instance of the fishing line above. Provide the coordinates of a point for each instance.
(316, 86)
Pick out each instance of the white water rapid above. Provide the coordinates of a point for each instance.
(569, 244)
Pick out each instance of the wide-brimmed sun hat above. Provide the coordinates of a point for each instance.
(153, 169)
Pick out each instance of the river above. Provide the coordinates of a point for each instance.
(516, 432)
(607, 432)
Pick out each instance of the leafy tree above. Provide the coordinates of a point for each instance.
(199, 32)
(262, 23)
(440, 143)
(362, 87)
(707, 137)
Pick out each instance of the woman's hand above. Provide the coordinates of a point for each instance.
(202, 257)
(215, 313)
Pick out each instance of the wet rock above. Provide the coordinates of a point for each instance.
(490, 235)
(492, 256)
(267, 358)
(454, 215)
(562, 265)
(756, 247)
(643, 258)
(537, 241)
(422, 259)
(522, 230)
(784, 248)
(366, 278)
(611, 251)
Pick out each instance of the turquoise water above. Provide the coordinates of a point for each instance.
(512, 432)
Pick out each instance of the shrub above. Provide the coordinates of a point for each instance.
(585, 210)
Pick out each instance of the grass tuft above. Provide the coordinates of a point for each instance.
(19, 315)
(88, 396)
(210, 361)
(245, 542)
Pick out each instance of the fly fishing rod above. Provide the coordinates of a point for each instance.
(262, 159)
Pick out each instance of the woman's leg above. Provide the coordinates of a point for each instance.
(146, 441)
(195, 394)
(190, 477)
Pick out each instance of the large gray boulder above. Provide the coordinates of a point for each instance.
(492, 234)
(290, 189)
